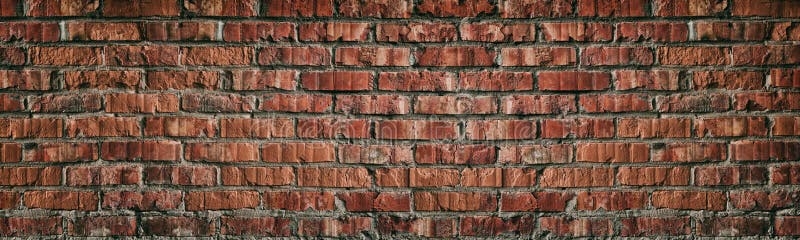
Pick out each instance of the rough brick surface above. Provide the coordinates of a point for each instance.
(399, 119)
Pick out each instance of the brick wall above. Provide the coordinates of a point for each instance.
(399, 118)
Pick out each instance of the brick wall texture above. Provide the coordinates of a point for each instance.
(400, 118)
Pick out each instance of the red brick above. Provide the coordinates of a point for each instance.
(299, 201)
(30, 226)
(103, 127)
(454, 154)
(577, 177)
(676, 8)
(652, 31)
(10, 200)
(217, 56)
(533, 8)
(303, 8)
(376, 202)
(655, 226)
(785, 174)
(142, 201)
(573, 81)
(498, 32)
(418, 81)
(579, 32)
(27, 80)
(230, 8)
(422, 226)
(433, 177)
(61, 200)
(577, 128)
(731, 80)
(785, 31)
(764, 200)
(11, 152)
(537, 201)
(255, 226)
(255, 80)
(222, 152)
(647, 80)
(50, 8)
(256, 176)
(690, 152)
(779, 8)
(141, 8)
(654, 127)
(576, 227)
(375, 154)
(28, 31)
(609, 56)
(30, 176)
(693, 55)
(653, 176)
(150, 55)
(730, 126)
(14, 102)
(785, 126)
(350, 56)
(612, 8)
(332, 227)
(103, 175)
(730, 31)
(181, 175)
(538, 104)
(496, 81)
(748, 150)
(535, 154)
(141, 103)
(512, 177)
(387, 9)
(302, 56)
(613, 152)
(416, 129)
(56, 152)
(453, 8)
(455, 201)
(31, 127)
(181, 31)
(372, 104)
(769, 101)
(57, 56)
(732, 226)
(296, 103)
(221, 200)
(100, 80)
(180, 127)
(611, 201)
(785, 78)
(689, 200)
(615, 103)
(787, 226)
(337, 81)
(739, 175)
(333, 128)
(333, 177)
(693, 103)
(500, 129)
(295, 152)
(334, 31)
(455, 56)
(195, 102)
(540, 56)
(100, 31)
(765, 55)
(454, 105)
(415, 32)
(165, 80)
(494, 226)
(177, 226)
(258, 32)
(391, 177)
(256, 128)
(50, 103)
(103, 226)
(10, 8)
